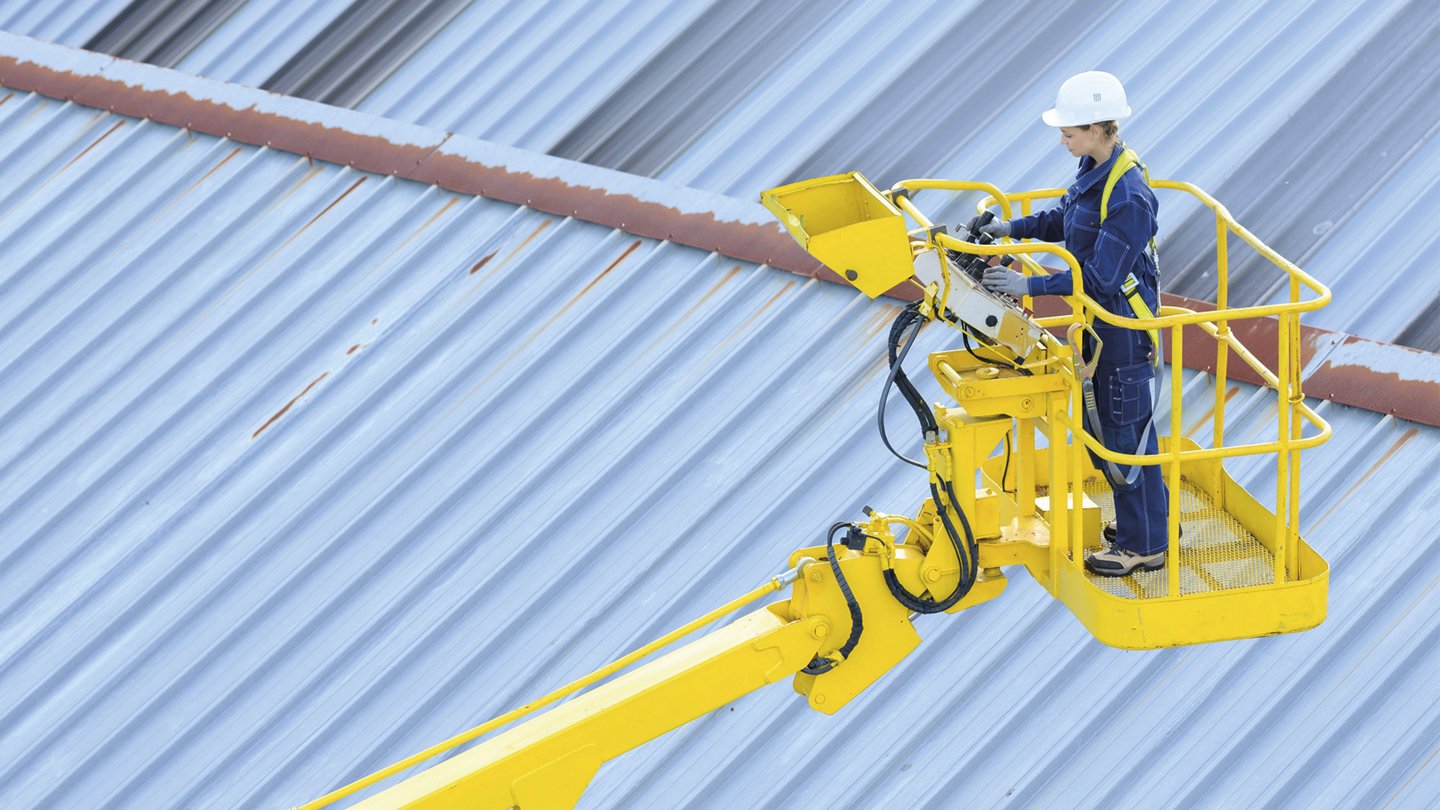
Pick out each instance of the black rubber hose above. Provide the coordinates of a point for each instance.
(968, 559)
(896, 352)
(819, 665)
(897, 373)
(970, 543)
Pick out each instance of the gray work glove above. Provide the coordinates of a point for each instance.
(996, 228)
(1005, 280)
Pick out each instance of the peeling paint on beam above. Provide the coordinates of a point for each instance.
(1344, 368)
(637, 205)
(1387, 378)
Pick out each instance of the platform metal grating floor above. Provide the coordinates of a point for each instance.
(1216, 552)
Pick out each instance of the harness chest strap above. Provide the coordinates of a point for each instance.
(1130, 287)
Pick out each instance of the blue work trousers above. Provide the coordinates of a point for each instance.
(1123, 381)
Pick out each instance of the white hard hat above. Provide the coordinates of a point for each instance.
(1086, 98)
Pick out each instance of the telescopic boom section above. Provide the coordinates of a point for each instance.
(547, 762)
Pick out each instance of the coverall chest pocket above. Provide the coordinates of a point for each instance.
(1128, 397)
(1082, 228)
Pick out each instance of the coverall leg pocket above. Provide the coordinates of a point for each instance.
(1129, 398)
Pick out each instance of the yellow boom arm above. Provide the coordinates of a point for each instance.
(548, 761)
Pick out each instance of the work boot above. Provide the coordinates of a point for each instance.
(1109, 532)
(1118, 562)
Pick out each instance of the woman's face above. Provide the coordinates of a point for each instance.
(1080, 140)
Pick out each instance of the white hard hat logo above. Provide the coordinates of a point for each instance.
(1086, 98)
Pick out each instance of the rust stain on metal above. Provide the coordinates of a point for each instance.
(710, 293)
(542, 226)
(574, 299)
(399, 246)
(864, 381)
(233, 152)
(431, 221)
(374, 321)
(603, 273)
(247, 125)
(512, 254)
(38, 107)
(332, 204)
(289, 405)
(744, 326)
(482, 262)
(1394, 448)
(557, 315)
(769, 302)
(690, 313)
(93, 144)
(355, 348)
(882, 318)
(310, 174)
(1194, 426)
(7, 97)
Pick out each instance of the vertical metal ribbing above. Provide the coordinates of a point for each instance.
(360, 48)
(161, 32)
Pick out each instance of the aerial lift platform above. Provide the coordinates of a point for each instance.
(1237, 570)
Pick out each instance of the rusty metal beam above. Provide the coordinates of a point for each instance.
(638, 205)
(1339, 367)
(1344, 368)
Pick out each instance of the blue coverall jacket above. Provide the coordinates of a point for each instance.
(1107, 254)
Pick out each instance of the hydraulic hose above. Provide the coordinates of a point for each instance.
(968, 557)
(902, 336)
(820, 665)
(898, 347)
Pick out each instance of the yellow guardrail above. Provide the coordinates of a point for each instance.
(1285, 378)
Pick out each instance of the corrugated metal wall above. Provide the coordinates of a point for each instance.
(1313, 120)
(303, 469)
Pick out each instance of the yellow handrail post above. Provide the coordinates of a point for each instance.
(1172, 558)
(1222, 346)
(1025, 478)
(1077, 479)
(1282, 457)
(1059, 488)
(1297, 399)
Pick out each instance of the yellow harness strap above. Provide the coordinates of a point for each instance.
(1130, 287)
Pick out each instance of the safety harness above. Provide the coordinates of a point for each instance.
(1130, 288)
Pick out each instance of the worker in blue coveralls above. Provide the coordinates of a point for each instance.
(1086, 111)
